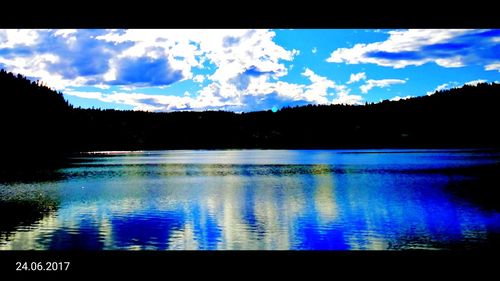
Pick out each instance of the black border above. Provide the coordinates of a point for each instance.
(255, 14)
(260, 264)
(251, 14)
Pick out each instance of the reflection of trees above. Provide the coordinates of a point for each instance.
(23, 211)
(480, 186)
(382, 211)
(225, 206)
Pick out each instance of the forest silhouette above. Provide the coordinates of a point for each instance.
(36, 120)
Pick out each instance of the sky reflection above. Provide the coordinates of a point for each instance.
(302, 200)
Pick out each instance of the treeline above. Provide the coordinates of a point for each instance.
(35, 118)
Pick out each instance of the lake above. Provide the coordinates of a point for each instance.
(386, 199)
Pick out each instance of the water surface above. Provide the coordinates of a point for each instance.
(256, 199)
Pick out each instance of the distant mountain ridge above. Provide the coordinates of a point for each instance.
(34, 118)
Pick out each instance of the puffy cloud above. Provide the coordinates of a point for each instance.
(355, 77)
(60, 58)
(10, 38)
(85, 95)
(98, 52)
(82, 56)
(231, 51)
(146, 71)
(241, 69)
(102, 86)
(36, 68)
(199, 78)
(258, 93)
(157, 102)
(345, 98)
(255, 50)
(493, 66)
(370, 84)
(475, 82)
(245, 62)
(398, 98)
(139, 101)
(317, 91)
(65, 33)
(441, 87)
(447, 48)
(176, 46)
(449, 85)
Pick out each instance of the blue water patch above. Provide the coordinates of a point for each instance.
(264, 200)
(151, 229)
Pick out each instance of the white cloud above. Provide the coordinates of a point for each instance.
(314, 50)
(139, 101)
(404, 48)
(69, 34)
(398, 98)
(450, 62)
(10, 38)
(259, 92)
(355, 77)
(449, 85)
(317, 91)
(244, 60)
(475, 82)
(439, 88)
(128, 88)
(345, 98)
(444, 86)
(36, 66)
(263, 92)
(199, 78)
(370, 84)
(232, 51)
(256, 49)
(102, 86)
(245, 65)
(85, 95)
(493, 66)
(65, 33)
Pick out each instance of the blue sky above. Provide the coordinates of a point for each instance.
(248, 70)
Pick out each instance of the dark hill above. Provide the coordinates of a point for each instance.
(34, 118)
(459, 117)
(464, 117)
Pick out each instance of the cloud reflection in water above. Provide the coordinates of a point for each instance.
(147, 201)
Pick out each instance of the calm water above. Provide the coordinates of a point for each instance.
(256, 199)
